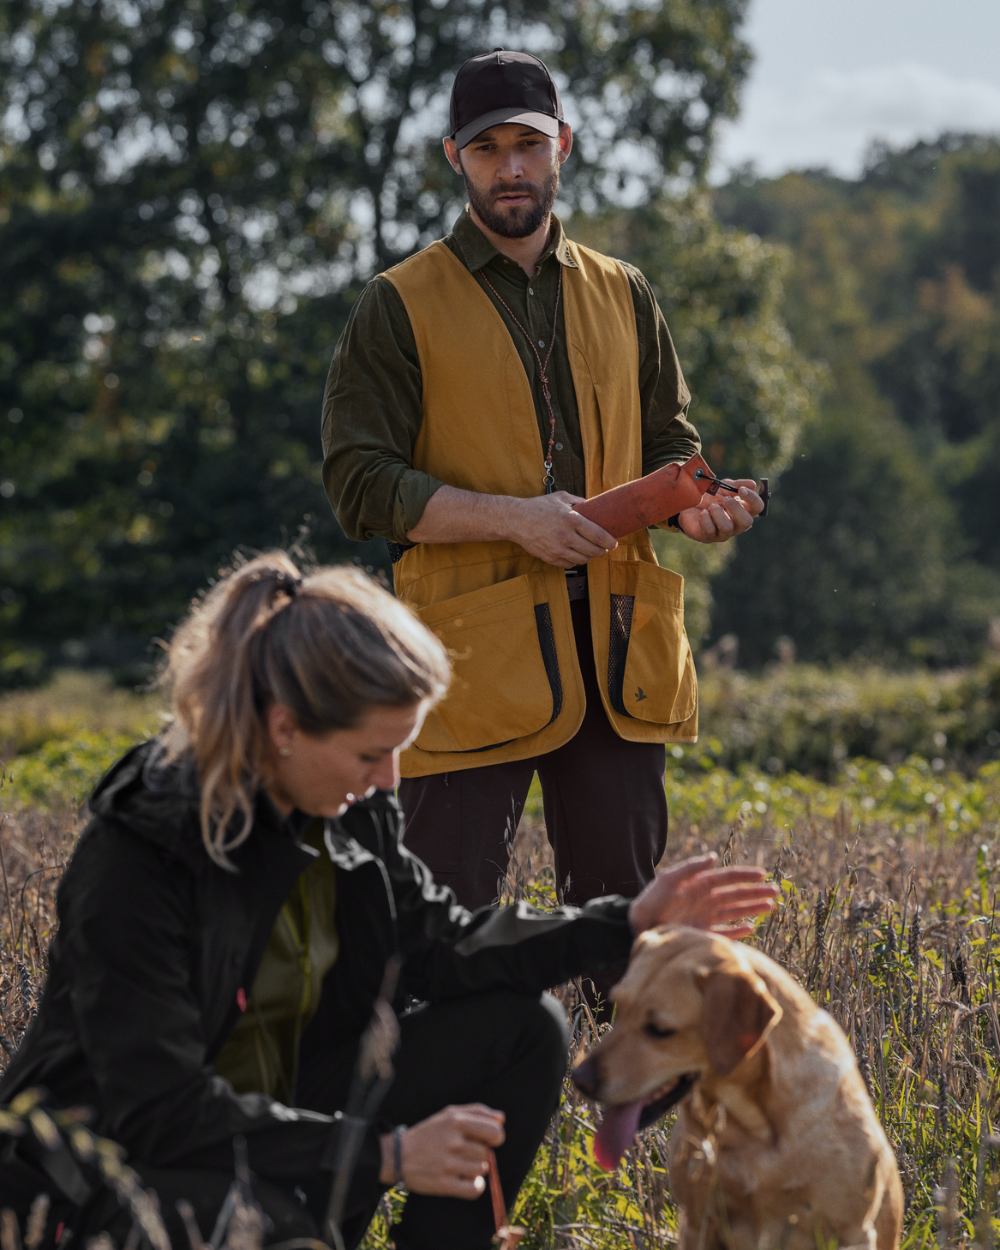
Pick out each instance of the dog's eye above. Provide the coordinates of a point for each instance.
(655, 1030)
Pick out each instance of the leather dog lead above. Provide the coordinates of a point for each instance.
(507, 1235)
(658, 497)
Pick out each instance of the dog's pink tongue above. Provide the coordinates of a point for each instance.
(618, 1127)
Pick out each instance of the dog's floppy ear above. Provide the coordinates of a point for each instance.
(738, 1014)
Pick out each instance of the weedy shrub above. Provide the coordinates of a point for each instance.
(72, 703)
(55, 741)
(810, 719)
(790, 718)
(59, 774)
(913, 797)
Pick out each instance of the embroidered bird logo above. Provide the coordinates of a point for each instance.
(640, 694)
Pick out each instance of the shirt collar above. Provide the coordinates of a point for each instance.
(477, 251)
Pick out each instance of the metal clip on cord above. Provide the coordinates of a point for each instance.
(702, 476)
(763, 489)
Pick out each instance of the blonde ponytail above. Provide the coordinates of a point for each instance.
(329, 646)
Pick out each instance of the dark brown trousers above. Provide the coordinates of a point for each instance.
(605, 808)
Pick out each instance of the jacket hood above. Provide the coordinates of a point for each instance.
(158, 801)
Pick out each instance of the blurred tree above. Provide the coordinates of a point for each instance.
(753, 392)
(865, 558)
(190, 197)
(644, 86)
(893, 286)
(973, 238)
(159, 223)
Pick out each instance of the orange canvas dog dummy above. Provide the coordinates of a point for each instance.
(776, 1146)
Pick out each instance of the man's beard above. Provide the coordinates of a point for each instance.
(515, 222)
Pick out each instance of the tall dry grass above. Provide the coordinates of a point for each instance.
(899, 939)
(896, 935)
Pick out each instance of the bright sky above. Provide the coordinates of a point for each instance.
(830, 77)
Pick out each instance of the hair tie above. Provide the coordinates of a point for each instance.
(290, 583)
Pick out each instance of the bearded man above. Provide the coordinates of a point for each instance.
(480, 389)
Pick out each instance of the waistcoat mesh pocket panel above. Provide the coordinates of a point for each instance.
(621, 628)
(547, 643)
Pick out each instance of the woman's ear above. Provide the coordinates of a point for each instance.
(281, 728)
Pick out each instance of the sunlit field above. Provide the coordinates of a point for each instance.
(889, 871)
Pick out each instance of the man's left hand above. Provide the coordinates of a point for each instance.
(697, 893)
(717, 518)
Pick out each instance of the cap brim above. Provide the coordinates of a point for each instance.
(544, 122)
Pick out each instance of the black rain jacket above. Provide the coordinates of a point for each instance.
(157, 947)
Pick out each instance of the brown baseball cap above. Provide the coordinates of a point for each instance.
(502, 86)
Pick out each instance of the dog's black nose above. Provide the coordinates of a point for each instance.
(585, 1076)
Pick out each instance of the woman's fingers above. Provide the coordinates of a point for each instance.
(480, 1123)
(687, 869)
(697, 893)
(730, 874)
(457, 1186)
(448, 1153)
(467, 1159)
(723, 906)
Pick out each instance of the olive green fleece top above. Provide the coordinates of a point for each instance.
(261, 1054)
(372, 407)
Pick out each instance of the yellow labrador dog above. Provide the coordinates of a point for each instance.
(776, 1146)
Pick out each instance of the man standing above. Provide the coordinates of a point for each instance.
(480, 389)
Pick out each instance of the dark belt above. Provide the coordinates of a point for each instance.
(576, 582)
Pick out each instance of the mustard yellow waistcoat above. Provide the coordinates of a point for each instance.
(503, 614)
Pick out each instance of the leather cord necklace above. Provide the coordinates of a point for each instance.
(548, 481)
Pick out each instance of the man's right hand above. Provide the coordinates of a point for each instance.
(547, 526)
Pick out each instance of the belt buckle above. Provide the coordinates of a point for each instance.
(576, 583)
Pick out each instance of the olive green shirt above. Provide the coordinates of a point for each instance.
(372, 405)
(261, 1054)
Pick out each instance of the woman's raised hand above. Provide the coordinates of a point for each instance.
(447, 1154)
(695, 892)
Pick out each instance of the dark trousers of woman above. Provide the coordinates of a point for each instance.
(603, 798)
(502, 1049)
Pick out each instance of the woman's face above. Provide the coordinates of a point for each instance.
(323, 774)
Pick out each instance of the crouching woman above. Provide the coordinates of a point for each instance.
(227, 919)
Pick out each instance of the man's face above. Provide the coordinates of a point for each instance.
(511, 176)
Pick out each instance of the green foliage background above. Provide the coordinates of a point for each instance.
(887, 546)
(192, 195)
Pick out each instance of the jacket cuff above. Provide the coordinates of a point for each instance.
(354, 1143)
(618, 945)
